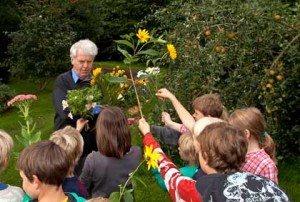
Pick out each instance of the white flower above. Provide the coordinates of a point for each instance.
(94, 104)
(120, 97)
(70, 115)
(65, 104)
(140, 73)
(153, 70)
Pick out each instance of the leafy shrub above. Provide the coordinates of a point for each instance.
(248, 51)
(5, 94)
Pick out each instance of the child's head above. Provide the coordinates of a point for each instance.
(208, 105)
(186, 148)
(252, 122)
(98, 199)
(113, 133)
(71, 141)
(200, 125)
(223, 148)
(6, 146)
(42, 163)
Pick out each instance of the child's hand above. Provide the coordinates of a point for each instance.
(166, 118)
(164, 93)
(80, 123)
(144, 126)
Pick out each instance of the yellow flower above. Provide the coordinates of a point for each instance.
(151, 157)
(92, 82)
(143, 35)
(97, 71)
(141, 82)
(172, 51)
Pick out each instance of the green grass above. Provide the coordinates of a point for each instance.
(43, 113)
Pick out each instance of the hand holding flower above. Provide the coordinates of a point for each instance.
(80, 123)
(164, 93)
(144, 126)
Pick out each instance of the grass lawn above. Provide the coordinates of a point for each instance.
(43, 113)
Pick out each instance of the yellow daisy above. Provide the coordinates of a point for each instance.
(172, 51)
(151, 157)
(97, 71)
(143, 35)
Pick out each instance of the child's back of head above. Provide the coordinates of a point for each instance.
(71, 141)
(6, 146)
(187, 150)
(223, 147)
(210, 105)
(113, 132)
(45, 160)
(252, 119)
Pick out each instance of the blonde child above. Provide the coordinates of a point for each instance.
(110, 166)
(43, 167)
(8, 193)
(187, 153)
(260, 158)
(71, 141)
(222, 149)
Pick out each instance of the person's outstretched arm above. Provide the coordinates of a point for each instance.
(179, 187)
(186, 118)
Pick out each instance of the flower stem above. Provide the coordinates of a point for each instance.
(128, 180)
(136, 94)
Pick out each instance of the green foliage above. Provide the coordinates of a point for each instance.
(228, 47)
(40, 48)
(80, 102)
(5, 94)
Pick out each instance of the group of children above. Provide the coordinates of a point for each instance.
(229, 158)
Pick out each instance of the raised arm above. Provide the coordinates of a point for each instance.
(179, 187)
(186, 118)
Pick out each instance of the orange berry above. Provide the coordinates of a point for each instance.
(277, 17)
(207, 33)
(271, 72)
(231, 35)
(279, 77)
(271, 80)
(269, 85)
(219, 49)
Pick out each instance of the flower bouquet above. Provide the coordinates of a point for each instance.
(82, 102)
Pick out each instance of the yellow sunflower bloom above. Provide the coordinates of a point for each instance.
(143, 35)
(172, 51)
(151, 157)
(92, 82)
(97, 71)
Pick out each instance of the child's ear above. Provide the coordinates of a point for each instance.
(247, 133)
(36, 182)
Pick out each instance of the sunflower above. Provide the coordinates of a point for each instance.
(172, 51)
(143, 35)
(97, 71)
(151, 157)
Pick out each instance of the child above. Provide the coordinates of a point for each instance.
(187, 153)
(8, 193)
(71, 141)
(222, 150)
(43, 167)
(106, 169)
(260, 158)
(204, 106)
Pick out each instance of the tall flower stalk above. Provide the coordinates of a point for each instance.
(140, 46)
(23, 103)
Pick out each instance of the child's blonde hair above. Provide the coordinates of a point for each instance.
(187, 148)
(202, 123)
(6, 146)
(253, 120)
(71, 141)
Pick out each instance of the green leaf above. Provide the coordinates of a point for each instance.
(128, 196)
(151, 52)
(125, 53)
(125, 42)
(114, 197)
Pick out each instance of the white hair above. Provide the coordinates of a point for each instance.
(86, 45)
(202, 123)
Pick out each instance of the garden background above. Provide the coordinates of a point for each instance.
(247, 51)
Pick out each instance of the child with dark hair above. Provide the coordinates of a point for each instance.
(106, 169)
(43, 167)
(222, 149)
(8, 193)
(260, 158)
